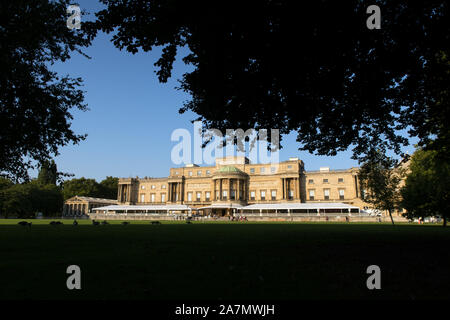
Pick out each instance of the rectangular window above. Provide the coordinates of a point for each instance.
(341, 180)
(199, 195)
(207, 195)
(341, 194)
(289, 167)
(224, 194)
(208, 172)
(325, 180)
(142, 187)
(273, 170)
(189, 196)
(262, 170)
(163, 197)
(326, 194)
(190, 173)
(311, 194)
(274, 194)
(252, 195)
(142, 198)
(310, 181)
(263, 195)
(233, 194)
(163, 186)
(252, 170)
(152, 196)
(199, 173)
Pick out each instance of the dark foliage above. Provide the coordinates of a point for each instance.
(311, 67)
(36, 103)
(106, 189)
(426, 191)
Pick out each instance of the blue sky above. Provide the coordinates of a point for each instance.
(132, 116)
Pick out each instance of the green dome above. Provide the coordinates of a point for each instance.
(228, 169)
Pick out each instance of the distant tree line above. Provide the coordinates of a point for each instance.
(46, 194)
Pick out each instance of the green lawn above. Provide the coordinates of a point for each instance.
(214, 261)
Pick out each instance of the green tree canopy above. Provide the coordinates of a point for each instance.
(309, 67)
(48, 173)
(108, 188)
(36, 103)
(426, 191)
(80, 187)
(4, 185)
(380, 179)
(25, 200)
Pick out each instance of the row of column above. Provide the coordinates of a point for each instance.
(124, 193)
(74, 209)
(219, 185)
(176, 190)
(285, 182)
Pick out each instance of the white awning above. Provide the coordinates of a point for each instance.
(222, 206)
(258, 206)
(299, 206)
(170, 207)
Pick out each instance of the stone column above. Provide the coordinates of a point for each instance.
(220, 189)
(295, 187)
(238, 193)
(287, 187)
(246, 190)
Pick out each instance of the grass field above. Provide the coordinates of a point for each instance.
(220, 261)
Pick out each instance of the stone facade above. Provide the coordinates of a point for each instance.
(235, 181)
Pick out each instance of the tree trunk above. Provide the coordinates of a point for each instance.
(390, 215)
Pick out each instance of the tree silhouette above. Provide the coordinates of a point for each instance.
(48, 173)
(35, 103)
(309, 67)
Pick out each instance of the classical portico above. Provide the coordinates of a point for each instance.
(175, 190)
(79, 206)
(290, 188)
(230, 187)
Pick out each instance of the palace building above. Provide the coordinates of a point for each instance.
(235, 183)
